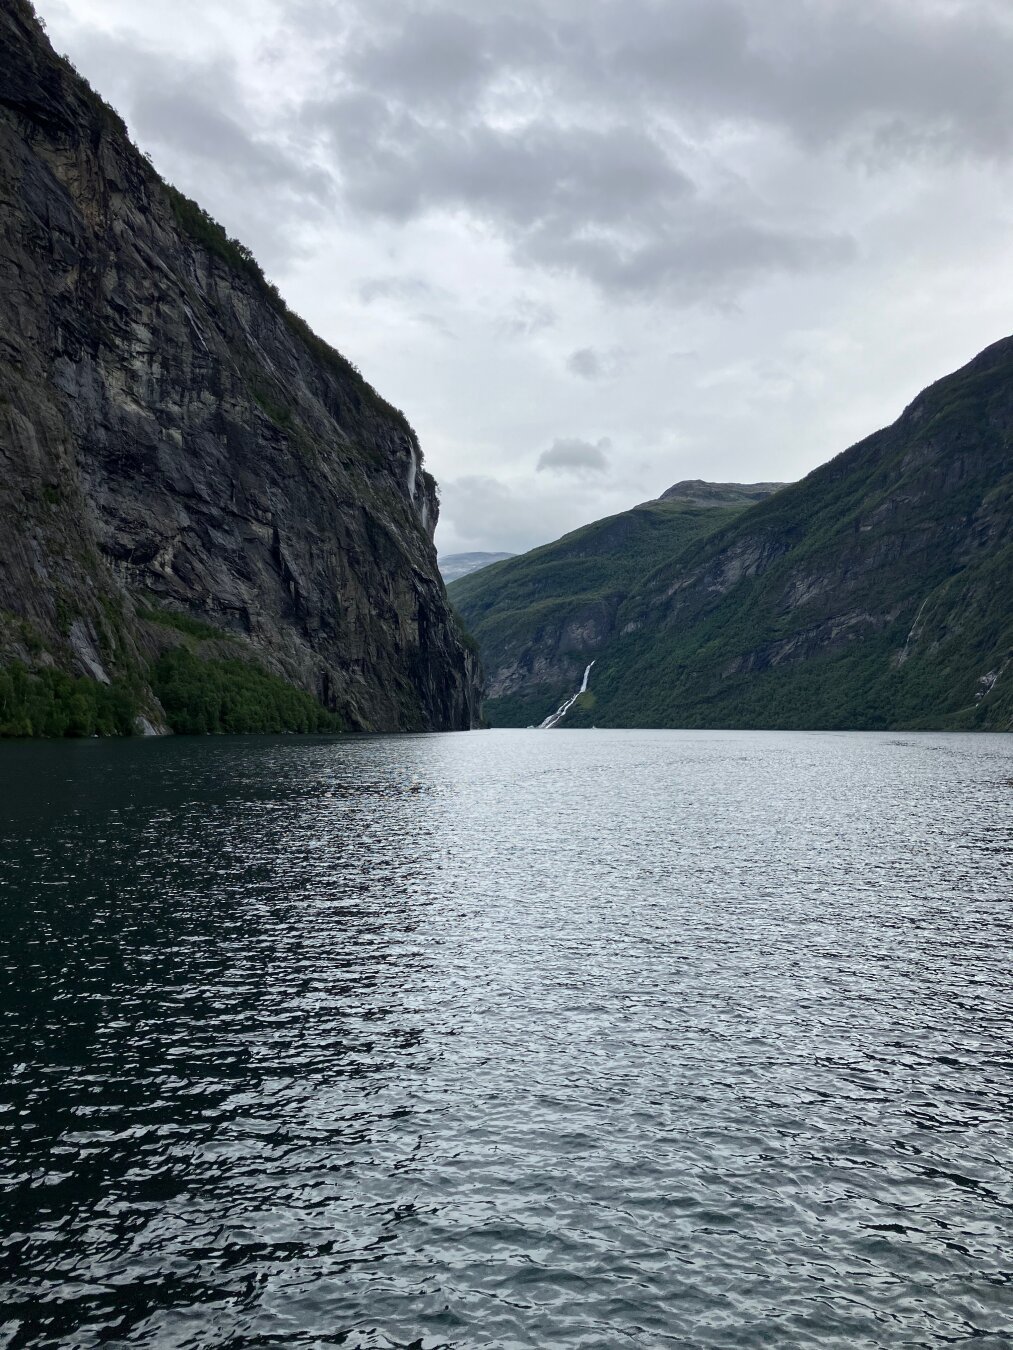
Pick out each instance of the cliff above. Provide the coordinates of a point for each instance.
(192, 482)
(875, 593)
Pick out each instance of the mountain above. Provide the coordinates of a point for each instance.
(211, 520)
(875, 593)
(455, 565)
(539, 618)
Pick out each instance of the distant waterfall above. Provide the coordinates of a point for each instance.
(554, 719)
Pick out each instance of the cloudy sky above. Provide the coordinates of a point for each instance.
(592, 247)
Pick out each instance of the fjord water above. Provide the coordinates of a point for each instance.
(595, 1039)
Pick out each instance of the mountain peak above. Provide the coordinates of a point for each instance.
(696, 492)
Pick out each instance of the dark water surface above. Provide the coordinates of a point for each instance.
(599, 1039)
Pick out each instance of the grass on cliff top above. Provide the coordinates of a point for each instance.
(106, 113)
(203, 229)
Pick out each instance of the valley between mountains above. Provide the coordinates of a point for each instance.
(874, 593)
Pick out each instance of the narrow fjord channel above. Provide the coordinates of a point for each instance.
(632, 1038)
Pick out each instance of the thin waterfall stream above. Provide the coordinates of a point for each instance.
(554, 719)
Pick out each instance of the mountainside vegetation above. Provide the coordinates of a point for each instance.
(876, 593)
(539, 618)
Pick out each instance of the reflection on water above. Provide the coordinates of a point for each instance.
(647, 1038)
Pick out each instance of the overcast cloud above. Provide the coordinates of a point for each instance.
(596, 246)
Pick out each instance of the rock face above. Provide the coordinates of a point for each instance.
(875, 593)
(176, 446)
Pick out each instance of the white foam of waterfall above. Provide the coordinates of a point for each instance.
(555, 718)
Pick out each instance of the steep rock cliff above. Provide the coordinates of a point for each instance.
(181, 460)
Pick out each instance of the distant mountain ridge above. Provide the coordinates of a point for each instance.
(455, 565)
(695, 492)
(877, 592)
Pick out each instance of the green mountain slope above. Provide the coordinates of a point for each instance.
(541, 617)
(875, 593)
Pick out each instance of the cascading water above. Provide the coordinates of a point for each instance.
(554, 719)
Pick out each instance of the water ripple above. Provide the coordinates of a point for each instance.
(598, 1039)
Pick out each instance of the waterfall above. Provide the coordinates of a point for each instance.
(554, 719)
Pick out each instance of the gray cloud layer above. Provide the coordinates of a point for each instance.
(519, 217)
(591, 364)
(584, 135)
(592, 138)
